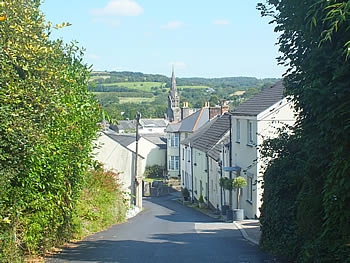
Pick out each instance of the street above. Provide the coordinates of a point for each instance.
(165, 231)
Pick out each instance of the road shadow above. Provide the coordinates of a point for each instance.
(177, 212)
(186, 247)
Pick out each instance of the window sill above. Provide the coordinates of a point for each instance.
(238, 142)
(250, 202)
(250, 144)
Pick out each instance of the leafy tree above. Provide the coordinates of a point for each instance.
(48, 123)
(315, 44)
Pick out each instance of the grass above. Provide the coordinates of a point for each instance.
(192, 87)
(142, 86)
(134, 100)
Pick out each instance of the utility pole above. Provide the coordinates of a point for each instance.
(138, 179)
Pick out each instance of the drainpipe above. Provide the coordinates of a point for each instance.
(208, 180)
(192, 172)
(230, 161)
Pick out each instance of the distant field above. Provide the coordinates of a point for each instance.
(143, 86)
(192, 87)
(135, 100)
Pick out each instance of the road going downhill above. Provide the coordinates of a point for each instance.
(166, 231)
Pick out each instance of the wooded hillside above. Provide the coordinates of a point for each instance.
(122, 94)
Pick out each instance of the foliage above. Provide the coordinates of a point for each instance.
(185, 193)
(314, 43)
(48, 122)
(101, 204)
(201, 199)
(239, 182)
(130, 92)
(154, 171)
(226, 183)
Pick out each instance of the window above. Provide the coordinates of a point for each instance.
(250, 133)
(173, 164)
(238, 131)
(250, 188)
(173, 140)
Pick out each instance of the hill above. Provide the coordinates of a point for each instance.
(122, 94)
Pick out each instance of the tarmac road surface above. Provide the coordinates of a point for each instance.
(165, 232)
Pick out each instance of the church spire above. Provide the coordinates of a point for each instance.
(173, 100)
(173, 83)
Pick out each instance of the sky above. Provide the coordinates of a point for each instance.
(199, 38)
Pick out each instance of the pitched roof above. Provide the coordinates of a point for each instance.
(123, 139)
(261, 101)
(191, 122)
(153, 122)
(195, 120)
(123, 125)
(157, 139)
(216, 150)
(210, 134)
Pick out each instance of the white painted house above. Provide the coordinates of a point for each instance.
(202, 161)
(253, 121)
(117, 152)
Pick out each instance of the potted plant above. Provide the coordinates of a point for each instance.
(185, 194)
(201, 201)
(226, 184)
(238, 183)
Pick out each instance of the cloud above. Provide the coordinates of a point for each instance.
(119, 8)
(172, 25)
(221, 22)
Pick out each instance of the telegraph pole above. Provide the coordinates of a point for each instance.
(138, 179)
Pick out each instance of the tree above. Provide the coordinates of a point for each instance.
(48, 123)
(238, 183)
(314, 43)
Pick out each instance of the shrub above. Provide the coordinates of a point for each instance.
(201, 199)
(154, 171)
(101, 204)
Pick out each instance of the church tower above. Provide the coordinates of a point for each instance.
(174, 112)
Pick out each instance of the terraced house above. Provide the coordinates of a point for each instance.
(254, 121)
(228, 146)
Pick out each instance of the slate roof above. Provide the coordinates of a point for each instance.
(191, 122)
(261, 101)
(127, 125)
(173, 127)
(123, 139)
(157, 139)
(195, 120)
(208, 136)
(153, 122)
(124, 125)
(216, 151)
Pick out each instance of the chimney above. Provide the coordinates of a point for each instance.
(224, 107)
(214, 111)
(185, 111)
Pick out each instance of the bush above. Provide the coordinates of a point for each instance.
(154, 171)
(185, 193)
(201, 199)
(101, 204)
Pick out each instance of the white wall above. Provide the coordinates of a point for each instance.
(117, 158)
(200, 175)
(246, 155)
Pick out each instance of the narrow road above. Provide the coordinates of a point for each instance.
(165, 231)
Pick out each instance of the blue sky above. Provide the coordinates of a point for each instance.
(200, 38)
